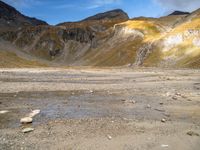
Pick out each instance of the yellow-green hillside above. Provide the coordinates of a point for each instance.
(11, 60)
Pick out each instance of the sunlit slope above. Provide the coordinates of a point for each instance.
(11, 60)
(170, 47)
(122, 48)
(181, 46)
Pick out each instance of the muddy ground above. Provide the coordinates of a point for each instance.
(103, 109)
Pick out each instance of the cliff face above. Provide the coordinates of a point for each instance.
(111, 39)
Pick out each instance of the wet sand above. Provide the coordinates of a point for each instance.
(100, 109)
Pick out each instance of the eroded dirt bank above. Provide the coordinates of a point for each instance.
(101, 109)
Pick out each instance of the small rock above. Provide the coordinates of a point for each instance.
(26, 130)
(161, 103)
(178, 94)
(163, 120)
(91, 91)
(148, 106)
(109, 137)
(161, 110)
(164, 146)
(34, 113)
(4, 111)
(168, 94)
(174, 98)
(129, 101)
(26, 120)
(192, 133)
(132, 101)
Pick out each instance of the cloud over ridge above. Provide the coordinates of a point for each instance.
(184, 5)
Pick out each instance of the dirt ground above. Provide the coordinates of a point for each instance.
(100, 109)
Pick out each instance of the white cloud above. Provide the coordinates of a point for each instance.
(184, 5)
(101, 3)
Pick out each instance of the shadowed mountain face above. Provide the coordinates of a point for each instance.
(116, 14)
(179, 13)
(105, 39)
(11, 18)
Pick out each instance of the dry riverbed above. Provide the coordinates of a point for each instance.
(125, 109)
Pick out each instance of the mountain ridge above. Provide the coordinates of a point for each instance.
(10, 17)
(179, 13)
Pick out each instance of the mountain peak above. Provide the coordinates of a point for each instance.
(10, 17)
(175, 13)
(113, 14)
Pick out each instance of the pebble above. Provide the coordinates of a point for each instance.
(129, 101)
(161, 103)
(148, 106)
(26, 130)
(161, 110)
(109, 137)
(26, 120)
(34, 113)
(168, 94)
(163, 120)
(178, 94)
(174, 98)
(164, 146)
(4, 111)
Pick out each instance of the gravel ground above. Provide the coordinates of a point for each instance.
(125, 109)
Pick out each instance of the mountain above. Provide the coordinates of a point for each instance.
(110, 39)
(102, 20)
(10, 18)
(179, 13)
(116, 14)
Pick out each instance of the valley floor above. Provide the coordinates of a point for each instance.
(100, 109)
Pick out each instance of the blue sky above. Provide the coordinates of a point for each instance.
(57, 11)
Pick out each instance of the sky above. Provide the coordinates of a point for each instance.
(57, 11)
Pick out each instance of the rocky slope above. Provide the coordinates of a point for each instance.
(112, 39)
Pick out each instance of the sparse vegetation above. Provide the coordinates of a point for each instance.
(11, 60)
